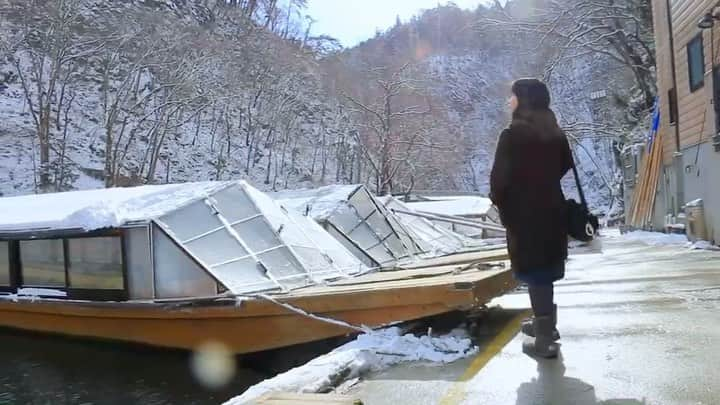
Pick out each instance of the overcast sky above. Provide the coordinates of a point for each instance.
(353, 21)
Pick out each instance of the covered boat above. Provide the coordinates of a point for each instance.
(359, 221)
(181, 265)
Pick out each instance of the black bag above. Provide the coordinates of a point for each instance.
(582, 225)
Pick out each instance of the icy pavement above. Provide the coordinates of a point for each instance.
(639, 325)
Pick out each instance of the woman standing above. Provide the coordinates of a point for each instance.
(532, 157)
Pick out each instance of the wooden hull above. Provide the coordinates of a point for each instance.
(257, 324)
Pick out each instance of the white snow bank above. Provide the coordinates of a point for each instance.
(373, 351)
(666, 239)
(96, 209)
(702, 245)
(655, 238)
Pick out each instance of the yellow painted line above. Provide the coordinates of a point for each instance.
(456, 393)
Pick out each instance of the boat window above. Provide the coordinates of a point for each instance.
(139, 263)
(43, 263)
(95, 263)
(4, 263)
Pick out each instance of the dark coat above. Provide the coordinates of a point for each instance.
(532, 157)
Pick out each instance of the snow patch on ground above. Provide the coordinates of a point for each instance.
(665, 239)
(655, 238)
(369, 352)
(702, 245)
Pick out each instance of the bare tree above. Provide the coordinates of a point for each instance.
(46, 61)
(397, 122)
(619, 30)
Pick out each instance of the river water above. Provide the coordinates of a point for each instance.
(52, 370)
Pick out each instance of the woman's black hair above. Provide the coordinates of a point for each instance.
(532, 94)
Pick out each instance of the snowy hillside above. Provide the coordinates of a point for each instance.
(140, 92)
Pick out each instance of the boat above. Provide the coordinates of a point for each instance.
(179, 266)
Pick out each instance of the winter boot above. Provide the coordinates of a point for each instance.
(542, 345)
(527, 326)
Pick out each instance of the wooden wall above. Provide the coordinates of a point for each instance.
(695, 111)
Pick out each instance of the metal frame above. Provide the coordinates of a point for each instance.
(382, 240)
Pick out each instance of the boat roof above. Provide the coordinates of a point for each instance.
(91, 210)
(241, 236)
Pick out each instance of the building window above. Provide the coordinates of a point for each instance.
(4, 264)
(696, 63)
(672, 106)
(43, 263)
(95, 263)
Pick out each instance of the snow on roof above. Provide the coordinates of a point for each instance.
(299, 230)
(319, 203)
(357, 214)
(454, 205)
(441, 240)
(97, 209)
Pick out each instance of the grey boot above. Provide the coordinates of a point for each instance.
(527, 326)
(542, 345)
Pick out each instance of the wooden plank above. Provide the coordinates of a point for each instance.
(469, 257)
(412, 274)
(306, 399)
(657, 145)
(639, 189)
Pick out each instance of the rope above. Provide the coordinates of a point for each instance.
(361, 329)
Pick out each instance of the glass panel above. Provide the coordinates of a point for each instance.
(281, 263)
(191, 221)
(364, 236)
(95, 263)
(345, 219)
(379, 225)
(216, 247)
(394, 244)
(362, 202)
(4, 263)
(313, 259)
(408, 244)
(43, 263)
(139, 263)
(244, 276)
(235, 204)
(381, 254)
(257, 234)
(176, 274)
(364, 257)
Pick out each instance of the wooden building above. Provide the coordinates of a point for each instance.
(687, 33)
